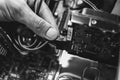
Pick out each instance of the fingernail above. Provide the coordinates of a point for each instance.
(52, 34)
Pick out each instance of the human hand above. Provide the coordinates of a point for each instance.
(43, 24)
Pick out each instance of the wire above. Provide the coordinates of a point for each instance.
(32, 44)
(91, 5)
(40, 45)
(68, 74)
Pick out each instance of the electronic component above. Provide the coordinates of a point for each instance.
(94, 35)
(31, 67)
(88, 33)
(16, 66)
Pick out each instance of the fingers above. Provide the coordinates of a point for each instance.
(38, 24)
(42, 10)
(45, 13)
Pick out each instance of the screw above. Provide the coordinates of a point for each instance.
(94, 22)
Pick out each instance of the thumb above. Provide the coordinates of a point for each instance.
(38, 24)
